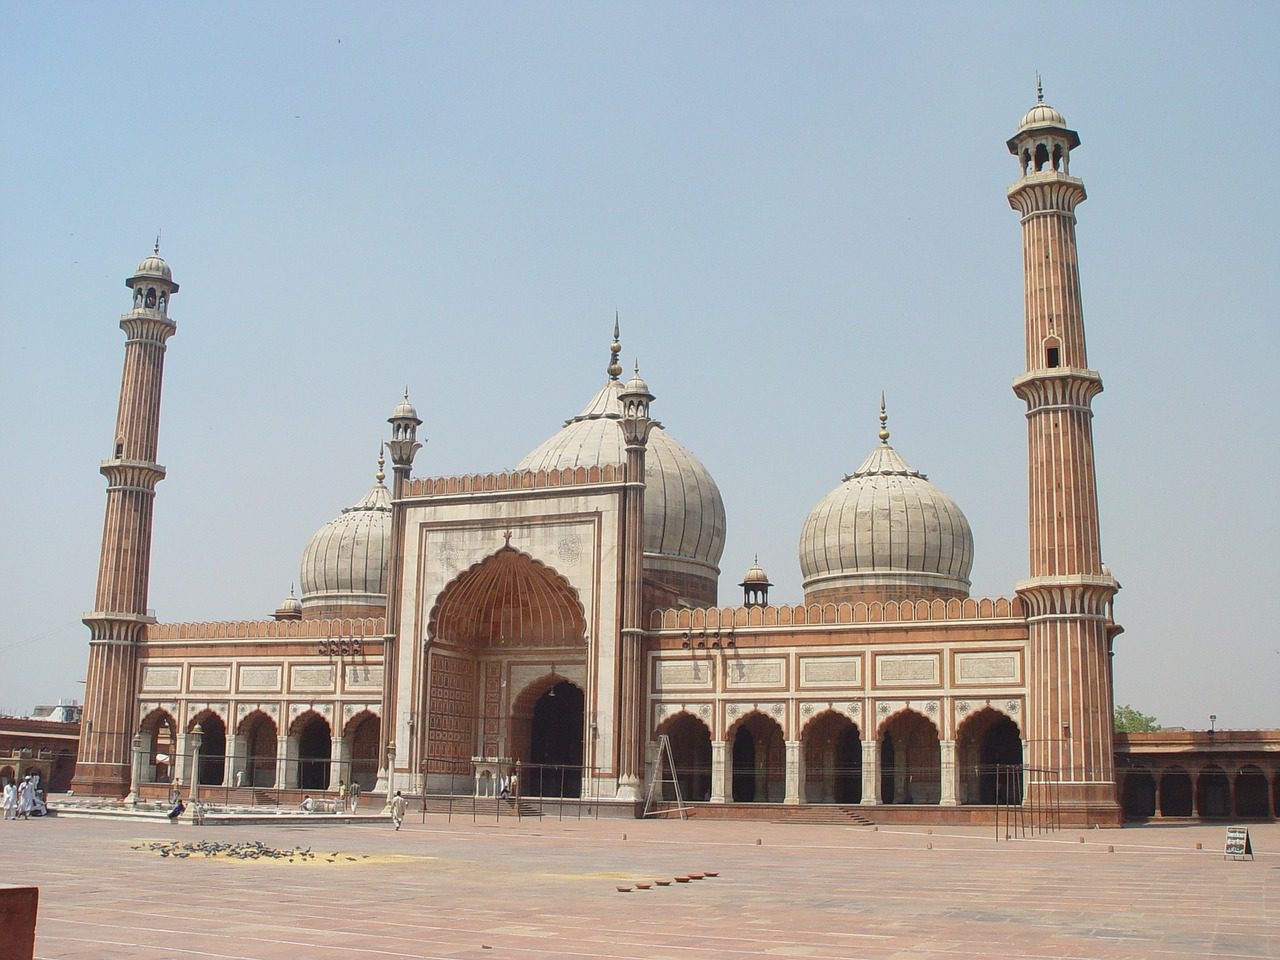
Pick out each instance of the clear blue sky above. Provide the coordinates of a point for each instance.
(793, 207)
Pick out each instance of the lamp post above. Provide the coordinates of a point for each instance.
(197, 737)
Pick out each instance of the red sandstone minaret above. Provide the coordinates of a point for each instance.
(120, 613)
(1068, 594)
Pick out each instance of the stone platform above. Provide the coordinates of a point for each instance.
(544, 889)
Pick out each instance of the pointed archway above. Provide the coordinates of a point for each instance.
(507, 605)
(691, 754)
(315, 750)
(910, 759)
(213, 747)
(989, 754)
(759, 760)
(261, 744)
(547, 737)
(832, 748)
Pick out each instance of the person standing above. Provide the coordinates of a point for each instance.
(10, 801)
(397, 809)
(354, 793)
(342, 796)
(24, 798)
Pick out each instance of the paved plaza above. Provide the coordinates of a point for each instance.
(539, 890)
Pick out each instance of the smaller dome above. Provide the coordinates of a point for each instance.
(404, 409)
(755, 575)
(153, 266)
(1041, 115)
(290, 608)
(344, 565)
(636, 384)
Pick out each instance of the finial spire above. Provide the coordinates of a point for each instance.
(884, 420)
(1039, 89)
(615, 348)
(380, 476)
(156, 248)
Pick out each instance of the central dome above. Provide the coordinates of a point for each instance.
(684, 522)
(886, 533)
(344, 565)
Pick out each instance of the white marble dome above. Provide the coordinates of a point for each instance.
(1041, 115)
(886, 532)
(345, 563)
(684, 522)
(154, 266)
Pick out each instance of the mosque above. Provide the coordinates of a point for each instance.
(564, 615)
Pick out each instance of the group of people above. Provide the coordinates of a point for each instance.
(24, 799)
(348, 796)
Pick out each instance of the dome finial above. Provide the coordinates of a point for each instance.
(156, 248)
(615, 369)
(380, 476)
(884, 420)
(1039, 89)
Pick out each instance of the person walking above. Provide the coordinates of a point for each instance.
(353, 793)
(24, 799)
(10, 800)
(397, 809)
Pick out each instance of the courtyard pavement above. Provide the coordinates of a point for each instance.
(539, 890)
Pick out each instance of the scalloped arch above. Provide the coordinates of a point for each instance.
(508, 599)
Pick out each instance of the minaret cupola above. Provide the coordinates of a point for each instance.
(755, 586)
(152, 284)
(1043, 143)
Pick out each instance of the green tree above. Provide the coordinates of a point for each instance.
(1129, 720)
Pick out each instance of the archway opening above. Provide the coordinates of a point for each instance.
(1175, 793)
(1139, 795)
(260, 740)
(989, 752)
(832, 748)
(759, 761)
(160, 738)
(910, 760)
(1214, 793)
(7, 776)
(213, 748)
(315, 747)
(1251, 792)
(691, 754)
(555, 743)
(364, 735)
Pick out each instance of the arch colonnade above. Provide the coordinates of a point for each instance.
(306, 755)
(905, 762)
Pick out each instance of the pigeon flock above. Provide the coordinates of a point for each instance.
(245, 850)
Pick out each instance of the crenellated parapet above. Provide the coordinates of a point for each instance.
(373, 627)
(836, 614)
(515, 480)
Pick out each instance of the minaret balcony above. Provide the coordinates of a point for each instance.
(1058, 387)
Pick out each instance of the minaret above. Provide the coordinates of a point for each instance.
(120, 613)
(1068, 593)
(403, 447)
(636, 425)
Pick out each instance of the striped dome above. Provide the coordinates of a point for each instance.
(684, 522)
(345, 563)
(886, 531)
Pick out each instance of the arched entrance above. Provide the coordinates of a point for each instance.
(554, 764)
(507, 607)
(989, 752)
(691, 753)
(1139, 795)
(159, 741)
(759, 760)
(1214, 792)
(910, 760)
(1175, 793)
(1251, 792)
(7, 776)
(213, 748)
(364, 733)
(260, 741)
(832, 760)
(315, 750)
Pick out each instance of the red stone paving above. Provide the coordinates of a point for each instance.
(529, 891)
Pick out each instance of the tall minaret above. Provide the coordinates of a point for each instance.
(1068, 594)
(120, 614)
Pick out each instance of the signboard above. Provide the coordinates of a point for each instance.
(1238, 844)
